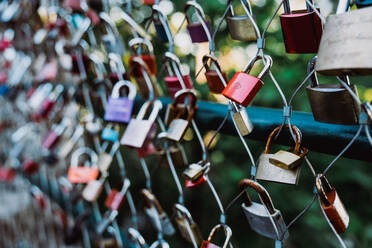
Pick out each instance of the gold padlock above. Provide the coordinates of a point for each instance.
(241, 119)
(187, 226)
(268, 171)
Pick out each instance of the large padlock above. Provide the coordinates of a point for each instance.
(302, 29)
(363, 3)
(115, 198)
(93, 189)
(241, 27)
(178, 126)
(263, 218)
(139, 128)
(187, 226)
(241, 119)
(83, 174)
(227, 230)
(345, 47)
(200, 31)
(332, 205)
(216, 79)
(142, 48)
(243, 87)
(162, 29)
(119, 109)
(158, 216)
(332, 103)
(268, 171)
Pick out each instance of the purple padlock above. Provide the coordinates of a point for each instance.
(201, 31)
(119, 109)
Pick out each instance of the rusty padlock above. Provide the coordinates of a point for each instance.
(331, 204)
(200, 31)
(83, 174)
(227, 230)
(216, 79)
(243, 87)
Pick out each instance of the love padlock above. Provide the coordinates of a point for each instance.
(110, 133)
(93, 189)
(216, 79)
(119, 109)
(115, 198)
(227, 230)
(188, 228)
(302, 29)
(242, 27)
(200, 31)
(146, 54)
(243, 87)
(83, 174)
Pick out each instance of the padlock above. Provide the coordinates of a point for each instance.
(93, 189)
(194, 171)
(367, 107)
(345, 47)
(139, 128)
(119, 109)
(156, 213)
(191, 184)
(177, 154)
(241, 119)
(216, 79)
(363, 3)
(146, 54)
(332, 205)
(48, 104)
(186, 225)
(200, 31)
(83, 174)
(110, 133)
(302, 29)
(243, 87)
(178, 126)
(116, 198)
(263, 218)
(163, 31)
(30, 167)
(227, 231)
(268, 171)
(174, 85)
(241, 27)
(332, 103)
(67, 146)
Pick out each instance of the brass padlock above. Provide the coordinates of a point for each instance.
(332, 103)
(332, 205)
(263, 218)
(345, 47)
(216, 79)
(228, 233)
(194, 171)
(241, 27)
(268, 171)
(187, 226)
(178, 126)
(241, 119)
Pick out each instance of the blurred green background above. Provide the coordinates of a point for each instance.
(351, 178)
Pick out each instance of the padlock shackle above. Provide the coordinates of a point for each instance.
(151, 200)
(311, 67)
(164, 22)
(119, 63)
(137, 237)
(133, 43)
(185, 92)
(323, 187)
(80, 151)
(297, 148)
(213, 60)
(264, 195)
(157, 105)
(197, 7)
(183, 211)
(227, 231)
(267, 61)
(132, 91)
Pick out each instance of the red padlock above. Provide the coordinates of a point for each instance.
(216, 79)
(116, 198)
(302, 29)
(30, 167)
(146, 54)
(195, 184)
(83, 174)
(243, 87)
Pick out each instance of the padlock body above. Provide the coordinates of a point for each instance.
(92, 190)
(50, 140)
(242, 88)
(160, 31)
(114, 200)
(302, 31)
(193, 172)
(286, 160)
(207, 244)
(195, 183)
(147, 149)
(110, 134)
(243, 122)
(197, 32)
(174, 85)
(82, 174)
(260, 221)
(336, 212)
(136, 133)
(214, 82)
(136, 69)
(331, 103)
(177, 129)
(182, 224)
(267, 171)
(119, 109)
(7, 174)
(241, 28)
(173, 112)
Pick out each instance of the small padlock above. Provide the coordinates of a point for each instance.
(243, 87)
(194, 171)
(332, 205)
(200, 31)
(119, 109)
(139, 128)
(149, 2)
(302, 29)
(241, 27)
(146, 54)
(191, 184)
(110, 133)
(268, 171)
(163, 31)
(187, 226)
(178, 126)
(227, 231)
(216, 79)
(157, 214)
(332, 103)
(116, 198)
(104, 161)
(263, 218)
(83, 174)
(48, 72)
(93, 189)
(241, 119)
